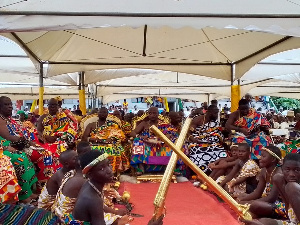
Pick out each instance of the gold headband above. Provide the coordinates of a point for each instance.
(94, 163)
(271, 153)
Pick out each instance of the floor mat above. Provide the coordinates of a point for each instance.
(185, 204)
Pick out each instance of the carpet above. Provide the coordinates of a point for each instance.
(185, 205)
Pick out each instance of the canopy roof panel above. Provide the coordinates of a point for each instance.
(280, 17)
(208, 52)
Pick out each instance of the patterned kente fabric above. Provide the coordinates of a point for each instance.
(117, 156)
(9, 187)
(45, 200)
(211, 149)
(279, 205)
(292, 218)
(154, 154)
(23, 166)
(63, 204)
(126, 127)
(46, 161)
(256, 140)
(26, 215)
(62, 125)
(290, 146)
(69, 219)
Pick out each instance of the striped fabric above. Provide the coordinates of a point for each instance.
(26, 215)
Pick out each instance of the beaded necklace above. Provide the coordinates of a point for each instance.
(12, 127)
(96, 189)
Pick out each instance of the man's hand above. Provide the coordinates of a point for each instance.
(212, 165)
(11, 149)
(241, 196)
(50, 139)
(159, 221)
(125, 220)
(121, 212)
(244, 131)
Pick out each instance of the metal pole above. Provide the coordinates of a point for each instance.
(81, 87)
(41, 90)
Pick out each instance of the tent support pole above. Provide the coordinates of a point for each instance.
(41, 90)
(145, 40)
(82, 105)
(235, 91)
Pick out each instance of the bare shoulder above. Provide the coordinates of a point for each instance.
(278, 178)
(234, 114)
(198, 120)
(40, 119)
(92, 125)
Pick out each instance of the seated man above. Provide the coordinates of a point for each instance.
(206, 139)
(56, 130)
(288, 186)
(14, 144)
(47, 197)
(149, 154)
(106, 135)
(89, 204)
(244, 172)
(250, 127)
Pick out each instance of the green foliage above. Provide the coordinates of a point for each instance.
(286, 103)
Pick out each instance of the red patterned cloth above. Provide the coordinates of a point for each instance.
(9, 187)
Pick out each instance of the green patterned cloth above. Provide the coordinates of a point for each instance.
(24, 170)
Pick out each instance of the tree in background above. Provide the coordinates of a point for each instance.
(287, 103)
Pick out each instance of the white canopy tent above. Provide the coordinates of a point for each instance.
(19, 78)
(114, 84)
(161, 35)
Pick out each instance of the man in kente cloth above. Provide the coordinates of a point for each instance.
(149, 154)
(106, 135)
(89, 205)
(56, 129)
(206, 139)
(250, 128)
(13, 142)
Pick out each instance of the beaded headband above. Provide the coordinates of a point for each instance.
(233, 145)
(94, 163)
(271, 153)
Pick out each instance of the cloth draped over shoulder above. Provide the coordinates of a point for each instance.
(45, 200)
(256, 140)
(117, 155)
(211, 148)
(153, 153)
(22, 165)
(63, 125)
(63, 204)
(9, 187)
(26, 215)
